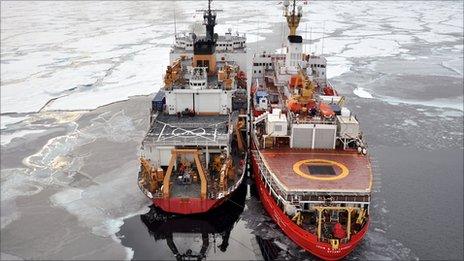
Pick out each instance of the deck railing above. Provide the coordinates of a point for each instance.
(275, 188)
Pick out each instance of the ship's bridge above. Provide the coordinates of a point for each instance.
(229, 47)
(225, 43)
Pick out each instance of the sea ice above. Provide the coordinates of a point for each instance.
(360, 92)
(6, 138)
(432, 37)
(333, 46)
(99, 59)
(337, 66)
(139, 76)
(32, 94)
(6, 120)
(454, 103)
(372, 47)
(409, 122)
(104, 206)
(253, 38)
(455, 65)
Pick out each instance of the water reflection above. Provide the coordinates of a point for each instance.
(194, 237)
(269, 250)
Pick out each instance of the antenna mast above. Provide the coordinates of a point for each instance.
(323, 34)
(306, 36)
(209, 20)
(175, 24)
(257, 38)
(310, 39)
(293, 17)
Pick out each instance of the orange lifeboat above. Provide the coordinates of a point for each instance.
(294, 105)
(326, 110)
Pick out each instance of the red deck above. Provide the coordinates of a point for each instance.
(352, 171)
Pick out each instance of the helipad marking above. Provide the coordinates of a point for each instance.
(297, 170)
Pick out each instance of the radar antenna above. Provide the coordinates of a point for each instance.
(209, 20)
(175, 22)
(293, 17)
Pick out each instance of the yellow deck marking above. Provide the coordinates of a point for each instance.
(297, 170)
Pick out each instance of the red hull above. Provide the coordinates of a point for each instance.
(300, 236)
(186, 206)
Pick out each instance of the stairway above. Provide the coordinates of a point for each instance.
(211, 185)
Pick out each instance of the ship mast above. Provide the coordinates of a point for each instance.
(204, 47)
(294, 17)
(294, 44)
(210, 21)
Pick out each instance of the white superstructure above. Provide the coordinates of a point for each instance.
(229, 47)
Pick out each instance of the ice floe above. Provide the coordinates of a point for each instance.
(32, 94)
(6, 138)
(360, 92)
(337, 66)
(371, 47)
(6, 120)
(98, 59)
(455, 104)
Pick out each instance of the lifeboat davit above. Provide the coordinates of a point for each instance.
(326, 110)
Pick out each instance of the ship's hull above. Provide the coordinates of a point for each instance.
(188, 206)
(301, 237)
(192, 206)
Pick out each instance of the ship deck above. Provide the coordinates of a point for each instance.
(305, 170)
(186, 130)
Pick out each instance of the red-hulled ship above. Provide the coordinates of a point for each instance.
(308, 156)
(193, 156)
